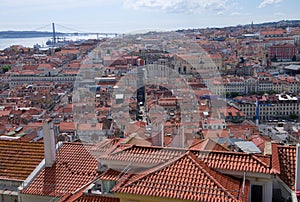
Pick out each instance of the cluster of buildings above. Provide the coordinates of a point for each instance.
(144, 118)
(37, 86)
(261, 83)
(113, 170)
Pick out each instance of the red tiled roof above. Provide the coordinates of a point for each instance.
(90, 127)
(184, 178)
(96, 198)
(111, 175)
(275, 158)
(259, 142)
(81, 196)
(287, 162)
(105, 146)
(215, 133)
(19, 159)
(207, 144)
(272, 32)
(267, 159)
(223, 160)
(67, 126)
(74, 167)
(4, 113)
(143, 154)
(235, 161)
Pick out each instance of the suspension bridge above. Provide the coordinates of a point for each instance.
(62, 31)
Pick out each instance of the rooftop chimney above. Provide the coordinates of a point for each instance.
(162, 138)
(49, 143)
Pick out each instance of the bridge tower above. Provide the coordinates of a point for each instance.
(54, 37)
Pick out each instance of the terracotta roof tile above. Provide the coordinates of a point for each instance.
(287, 162)
(235, 161)
(67, 126)
(18, 159)
(184, 178)
(96, 198)
(143, 154)
(74, 167)
(224, 160)
(111, 175)
(105, 146)
(207, 144)
(275, 158)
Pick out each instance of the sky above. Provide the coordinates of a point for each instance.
(130, 16)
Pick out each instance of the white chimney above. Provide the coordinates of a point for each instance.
(297, 180)
(162, 134)
(182, 138)
(49, 143)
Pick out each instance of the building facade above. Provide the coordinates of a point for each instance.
(284, 52)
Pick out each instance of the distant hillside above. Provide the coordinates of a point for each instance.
(26, 34)
(282, 23)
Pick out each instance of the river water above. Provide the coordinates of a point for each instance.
(30, 42)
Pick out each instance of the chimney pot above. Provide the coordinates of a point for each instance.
(49, 143)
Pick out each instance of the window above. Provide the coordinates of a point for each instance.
(256, 193)
(107, 186)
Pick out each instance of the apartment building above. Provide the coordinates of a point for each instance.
(261, 83)
(34, 77)
(284, 52)
(270, 107)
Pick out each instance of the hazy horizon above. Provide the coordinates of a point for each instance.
(147, 30)
(126, 16)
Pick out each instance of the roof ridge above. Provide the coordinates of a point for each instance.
(195, 143)
(209, 140)
(286, 146)
(204, 154)
(120, 148)
(275, 164)
(152, 170)
(259, 160)
(160, 147)
(130, 146)
(221, 152)
(79, 143)
(204, 168)
(209, 171)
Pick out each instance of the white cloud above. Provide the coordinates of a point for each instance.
(239, 14)
(51, 4)
(265, 3)
(177, 6)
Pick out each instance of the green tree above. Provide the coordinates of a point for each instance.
(293, 116)
(272, 92)
(234, 94)
(5, 68)
(260, 93)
